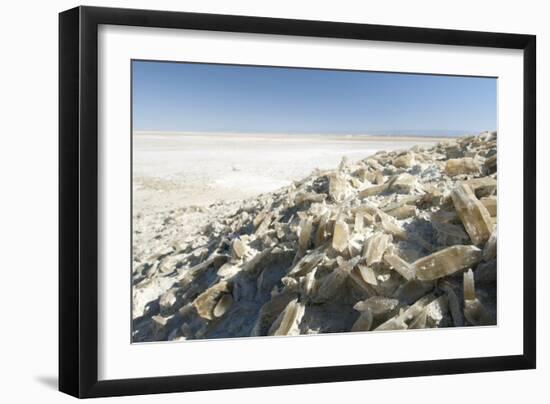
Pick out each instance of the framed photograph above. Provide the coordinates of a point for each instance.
(251, 201)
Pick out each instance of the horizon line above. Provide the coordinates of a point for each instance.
(425, 133)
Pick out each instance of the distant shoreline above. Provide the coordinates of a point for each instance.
(351, 137)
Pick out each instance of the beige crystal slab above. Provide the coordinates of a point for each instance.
(340, 238)
(364, 321)
(308, 262)
(420, 321)
(239, 248)
(224, 304)
(159, 321)
(400, 266)
(170, 263)
(316, 210)
(451, 148)
(469, 285)
(474, 216)
(446, 262)
(228, 270)
(291, 284)
(379, 177)
(259, 218)
(288, 322)
(358, 280)
(337, 187)
(433, 195)
(417, 307)
(373, 190)
(264, 225)
(188, 275)
(490, 202)
(377, 305)
(404, 161)
(466, 165)
(368, 274)
(359, 222)
(368, 218)
(444, 216)
(490, 249)
(401, 321)
(394, 323)
(302, 197)
(320, 235)
(270, 311)
(207, 300)
(366, 208)
(402, 201)
(367, 175)
(306, 227)
(364, 174)
(374, 248)
(374, 164)
(308, 283)
(403, 212)
(403, 183)
(390, 225)
(484, 186)
(256, 264)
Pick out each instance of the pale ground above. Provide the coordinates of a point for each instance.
(177, 170)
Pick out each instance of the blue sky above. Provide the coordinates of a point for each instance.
(170, 96)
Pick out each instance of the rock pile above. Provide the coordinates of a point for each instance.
(399, 240)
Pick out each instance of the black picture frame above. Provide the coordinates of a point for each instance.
(78, 200)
